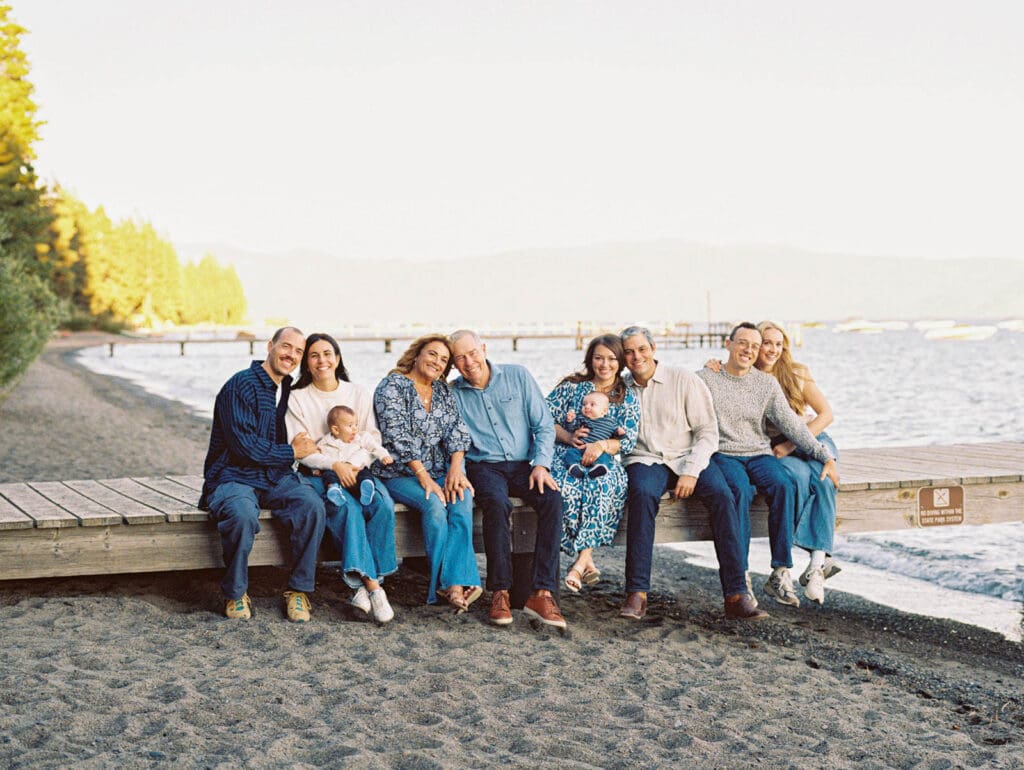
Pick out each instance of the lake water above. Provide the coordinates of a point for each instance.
(890, 389)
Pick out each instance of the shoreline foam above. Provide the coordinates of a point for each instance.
(903, 593)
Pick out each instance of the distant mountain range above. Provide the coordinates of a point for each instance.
(667, 280)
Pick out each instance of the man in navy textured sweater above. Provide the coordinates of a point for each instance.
(249, 466)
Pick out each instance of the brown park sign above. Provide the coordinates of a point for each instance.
(939, 506)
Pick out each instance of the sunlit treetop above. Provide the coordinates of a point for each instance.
(18, 122)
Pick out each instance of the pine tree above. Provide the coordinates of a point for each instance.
(64, 252)
(212, 294)
(29, 307)
(17, 110)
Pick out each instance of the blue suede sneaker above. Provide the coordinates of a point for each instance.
(366, 492)
(334, 494)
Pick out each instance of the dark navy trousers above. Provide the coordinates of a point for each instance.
(647, 483)
(493, 484)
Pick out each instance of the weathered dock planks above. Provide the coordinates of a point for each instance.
(111, 526)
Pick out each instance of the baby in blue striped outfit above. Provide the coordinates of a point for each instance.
(601, 425)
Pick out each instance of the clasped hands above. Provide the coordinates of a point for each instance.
(455, 485)
(590, 451)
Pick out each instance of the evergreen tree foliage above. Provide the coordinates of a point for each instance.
(17, 110)
(132, 274)
(232, 302)
(64, 252)
(125, 273)
(162, 283)
(28, 317)
(213, 294)
(28, 308)
(24, 216)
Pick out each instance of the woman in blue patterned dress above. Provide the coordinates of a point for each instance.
(592, 506)
(422, 430)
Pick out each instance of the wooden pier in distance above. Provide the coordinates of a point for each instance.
(112, 526)
(679, 334)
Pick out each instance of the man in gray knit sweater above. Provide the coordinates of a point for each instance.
(744, 398)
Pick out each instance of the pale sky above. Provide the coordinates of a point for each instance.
(448, 129)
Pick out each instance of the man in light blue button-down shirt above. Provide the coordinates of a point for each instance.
(513, 443)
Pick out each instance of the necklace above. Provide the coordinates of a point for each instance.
(425, 397)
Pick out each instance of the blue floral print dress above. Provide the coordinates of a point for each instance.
(592, 507)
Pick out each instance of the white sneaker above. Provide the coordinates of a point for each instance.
(361, 600)
(829, 568)
(382, 611)
(814, 588)
(780, 587)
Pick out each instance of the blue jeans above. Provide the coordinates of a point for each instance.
(494, 484)
(236, 509)
(766, 474)
(647, 483)
(364, 538)
(815, 499)
(447, 534)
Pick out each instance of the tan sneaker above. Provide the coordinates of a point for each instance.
(544, 609)
(297, 606)
(501, 611)
(780, 587)
(239, 609)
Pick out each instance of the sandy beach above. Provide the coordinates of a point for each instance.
(142, 670)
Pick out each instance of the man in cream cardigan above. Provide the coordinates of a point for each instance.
(678, 435)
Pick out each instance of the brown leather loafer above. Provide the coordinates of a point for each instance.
(635, 606)
(743, 607)
(545, 609)
(501, 610)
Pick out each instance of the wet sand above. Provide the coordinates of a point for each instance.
(142, 670)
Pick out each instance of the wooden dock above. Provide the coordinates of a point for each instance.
(677, 335)
(57, 528)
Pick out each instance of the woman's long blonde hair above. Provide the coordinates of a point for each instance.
(790, 374)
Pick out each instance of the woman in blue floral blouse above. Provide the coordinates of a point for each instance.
(592, 506)
(420, 425)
